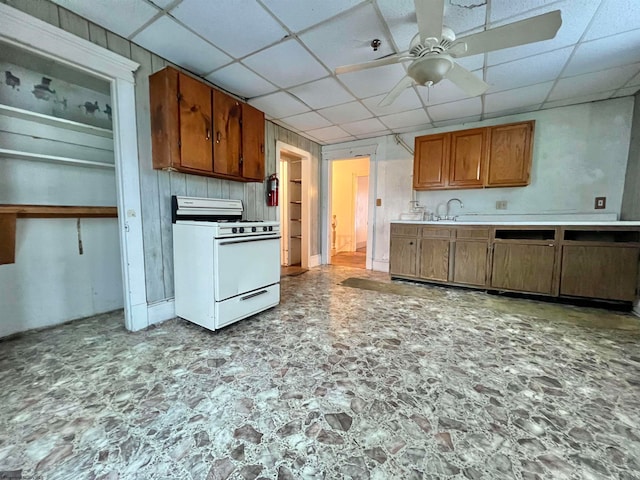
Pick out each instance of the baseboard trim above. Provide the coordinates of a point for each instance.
(158, 312)
(380, 266)
(315, 260)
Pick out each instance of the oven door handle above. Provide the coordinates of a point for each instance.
(247, 297)
(251, 239)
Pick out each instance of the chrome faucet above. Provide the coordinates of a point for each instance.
(447, 216)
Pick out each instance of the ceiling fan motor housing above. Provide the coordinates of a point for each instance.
(430, 69)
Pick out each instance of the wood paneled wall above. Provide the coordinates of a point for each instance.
(158, 186)
(631, 196)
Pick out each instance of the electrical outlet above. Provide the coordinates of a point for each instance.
(378, 202)
(601, 203)
(501, 205)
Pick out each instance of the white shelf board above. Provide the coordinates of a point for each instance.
(54, 121)
(38, 157)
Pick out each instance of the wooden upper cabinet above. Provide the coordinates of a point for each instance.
(431, 162)
(510, 152)
(227, 145)
(252, 143)
(497, 156)
(467, 158)
(200, 130)
(194, 103)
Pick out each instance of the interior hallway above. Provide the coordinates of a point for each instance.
(357, 259)
(336, 382)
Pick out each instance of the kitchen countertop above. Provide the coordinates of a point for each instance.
(523, 223)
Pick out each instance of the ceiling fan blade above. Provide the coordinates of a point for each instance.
(429, 14)
(388, 60)
(395, 92)
(534, 29)
(467, 81)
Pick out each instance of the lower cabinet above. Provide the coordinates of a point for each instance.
(596, 262)
(403, 250)
(434, 259)
(523, 267)
(470, 262)
(609, 273)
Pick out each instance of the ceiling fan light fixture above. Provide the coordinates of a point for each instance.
(430, 69)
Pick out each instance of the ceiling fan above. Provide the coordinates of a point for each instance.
(433, 49)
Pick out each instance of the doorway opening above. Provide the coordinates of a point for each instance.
(349, 212)
(294, 208)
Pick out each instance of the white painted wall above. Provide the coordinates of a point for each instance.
(362, 208)
(580, 152)
(50, 282)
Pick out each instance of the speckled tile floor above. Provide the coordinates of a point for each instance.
(335, 383)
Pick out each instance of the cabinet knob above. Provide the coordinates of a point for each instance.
(208, 134)
(410, 243)
(261, 148)
(218, 138)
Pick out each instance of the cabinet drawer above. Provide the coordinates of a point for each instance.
(406, 230)
(436, 232)
(472, 233)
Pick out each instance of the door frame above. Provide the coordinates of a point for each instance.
(32, 34)
(306, 195)
(328, 157)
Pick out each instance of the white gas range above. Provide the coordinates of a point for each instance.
(225, 269)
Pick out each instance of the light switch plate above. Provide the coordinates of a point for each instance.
(501, 205)
(600, 203)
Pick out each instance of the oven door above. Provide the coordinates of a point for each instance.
(244, 264)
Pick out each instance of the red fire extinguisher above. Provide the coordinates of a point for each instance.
(272, 190)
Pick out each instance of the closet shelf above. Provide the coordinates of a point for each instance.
(54, 121)
(58, 211)
(39, 157)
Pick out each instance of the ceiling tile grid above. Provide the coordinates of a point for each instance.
(280, 55)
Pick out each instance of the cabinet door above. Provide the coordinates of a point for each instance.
(434, 259)
(227, 145)
(523, 267)
(402, 256)
(470, 262)
(467, 159)
(431, 161)
(610, 273)
(252, 143)
(195, 124)
(509, 162)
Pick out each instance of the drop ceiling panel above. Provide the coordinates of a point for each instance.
(400, 16)
(607, 52)
(162, 3)
(347, 38)
(591, 83)
(417, 118)
(576, 15)
(379, 133)
(624, 92)
(239, 27)
(329, 133)
(367, 83)
(307, 121)
(298, 15)
(408, 100)
(279, 105)
(512, 111)
(505, 9)
(474, 62)
(363, 126)
(131, 14)
(185, 48)
(238, 79)
(460, 109)
(614, 16)
(528, 71)
(517, 98)
(464, 15)
(634, 81)
(322, 93)
(348, 112)
(286, 64)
